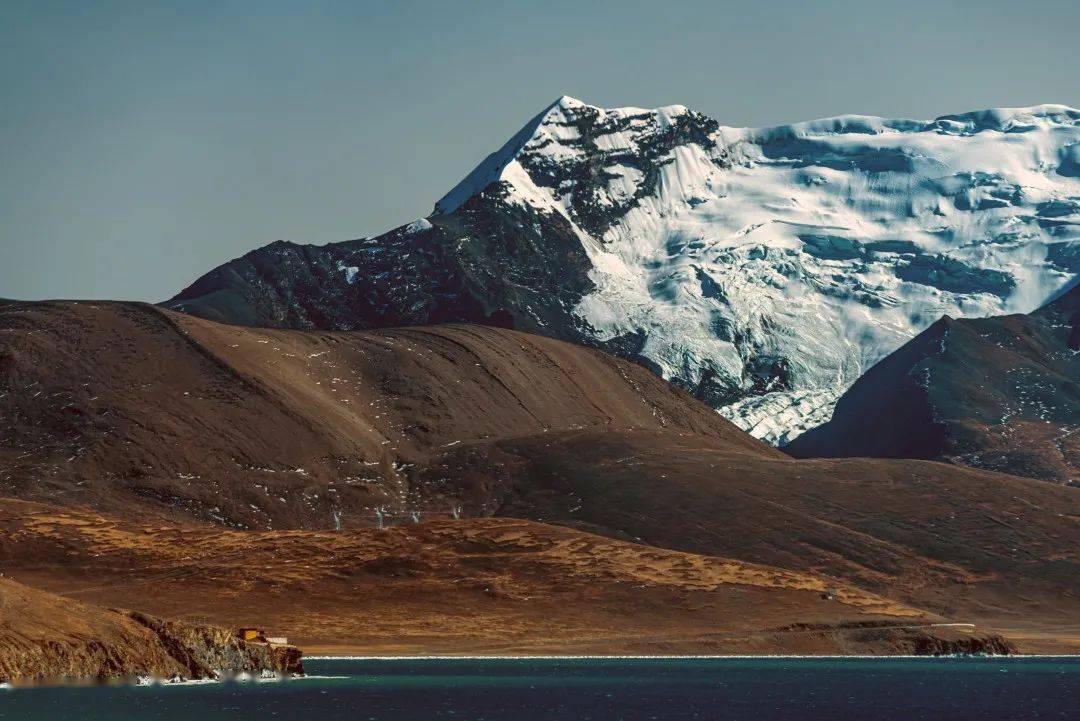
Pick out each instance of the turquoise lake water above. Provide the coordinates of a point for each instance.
(595, 689)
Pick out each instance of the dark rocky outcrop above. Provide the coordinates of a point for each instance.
(490, 261)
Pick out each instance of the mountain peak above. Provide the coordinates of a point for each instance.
(493, 166)
(567, 102)
(555, 132)
(490, 168)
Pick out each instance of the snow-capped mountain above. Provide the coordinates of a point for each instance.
(763, 269)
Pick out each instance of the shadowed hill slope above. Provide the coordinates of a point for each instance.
(997, 393)
(126, 406)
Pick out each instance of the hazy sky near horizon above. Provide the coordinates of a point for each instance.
(143, 143)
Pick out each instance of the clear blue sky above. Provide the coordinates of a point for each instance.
(142, 143)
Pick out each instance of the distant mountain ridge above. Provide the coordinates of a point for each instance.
(762, 269)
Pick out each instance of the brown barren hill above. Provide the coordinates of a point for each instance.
(127, 407)
(463, 587)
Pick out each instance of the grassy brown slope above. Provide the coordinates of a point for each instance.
(128, 407)
(469, 586)
(968, 544)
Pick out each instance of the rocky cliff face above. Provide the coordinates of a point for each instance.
(762, 269)
(204, 651)
(49, 638)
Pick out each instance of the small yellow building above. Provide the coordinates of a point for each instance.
(250, 634)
